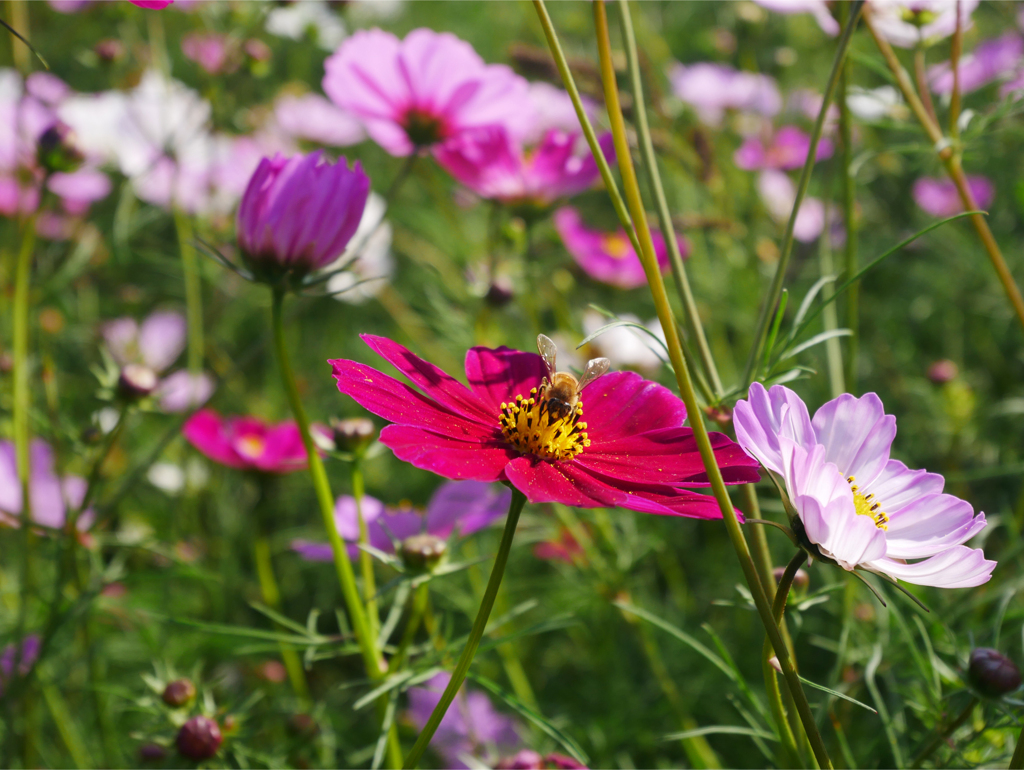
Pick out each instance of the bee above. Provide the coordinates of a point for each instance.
(562, 389)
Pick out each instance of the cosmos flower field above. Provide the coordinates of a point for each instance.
(511, 385)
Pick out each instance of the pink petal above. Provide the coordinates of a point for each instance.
(898, 486)
(499, 375)
(959, 567)
(856, 434)
(545, 482)
(931, 524)
(161, 339)
(623, 404)
(478, 460)
(206, 431)
(767, 415)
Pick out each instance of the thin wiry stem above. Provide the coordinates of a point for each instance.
(775, 292)
(848, 193)
(791, 755)
(193, 291)
(685, 383)
(956, 48)
(943, 735)
(951, 161)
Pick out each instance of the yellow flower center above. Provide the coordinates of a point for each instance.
(533, 427)
(616, 246)
(251, 446)
(866, 505)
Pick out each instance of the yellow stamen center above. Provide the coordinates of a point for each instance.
(251, 446)
(866, 505)
(616, 246)
(530, 425)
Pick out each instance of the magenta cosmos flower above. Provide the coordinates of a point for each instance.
(511, 425)
(787, 150)
(298, 214)
(457, 507)
(855, 505)
(990, 61)
(491, 163)
(50, 495)
(939, 197)
(608, 257)
(246, 442)
(429, 87)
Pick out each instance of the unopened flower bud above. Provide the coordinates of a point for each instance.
(257, 50)
(151, 753)
(109, 50)
(421, 553)
(199, 738)
(91, 435)
(943, 371)
(56, 150)
(137, 380)
(991, 673)
(179, 693)
(773, 661)
(354, 434)
(303, 726)
(800, 580)
(499, 293)
(720, 415)
(229, 723)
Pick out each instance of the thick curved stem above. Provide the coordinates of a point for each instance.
(476, 633)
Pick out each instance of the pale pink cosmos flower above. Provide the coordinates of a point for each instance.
(778, 193)
(940, 198)
(909, 23)
(413, 93)
(990, 61)
(608, 257)
(213, 52)
(854, 504)
(51, 496)
(787, 150)
(712, 89)
(313, 118)
(817, 8)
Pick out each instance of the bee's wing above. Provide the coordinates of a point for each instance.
(595, 368)
(548, 351)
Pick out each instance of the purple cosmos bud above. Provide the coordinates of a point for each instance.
(151, 753)
(422, 553)
(991, 673)
(109, 50)
(942, 371)
(199, 738)
(298, 215)
(800, 581)
(56, 150)
(137, 380)
(354, 434)
(179, 693)
(303, 726)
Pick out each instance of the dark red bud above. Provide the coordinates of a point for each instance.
(199, 738)
(151, 752)
(179, 693)
(991, 673)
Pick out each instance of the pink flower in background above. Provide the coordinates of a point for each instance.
(608, 256)
(939, 197)
(246, 442)
(817, 8)
(313, 118)
(990, 61)
(414, 93)
(787, 150)
(214, 53)
(471, 727)
(50, 494)
(298, 214)
(23, 656)
(632, 451)
(714, 88)
(563, 548)
(493, 165)
(460, 507)
(908, 23)
(154, 4)
(857, 506)
(778, 193)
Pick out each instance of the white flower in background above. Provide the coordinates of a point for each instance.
(624, 346)
(908, 23)
(295, 20)
(374, 265)
(876, 103)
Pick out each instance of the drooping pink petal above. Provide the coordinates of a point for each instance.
(857, 435)
(959, 567)
(161, 339)
(930, 524)
(480, 459)
(498, 375)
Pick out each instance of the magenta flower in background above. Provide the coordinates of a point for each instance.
(414, 93)
(495, 166)
(50, 494)
(632, 451)
(298, 214)
(460, 507)
(939, 197)
(857, 506)
(528, 759)
(817, 8)
(908, 23)
(313, 118)
(154, 4)
(991, 60)
(470, 727)
(246, 442)
(608, 257)
(213, 52)
(23, 656)
(711, 89)
(787, 150)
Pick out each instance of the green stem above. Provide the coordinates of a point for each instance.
(951, 161)
(476, 633)
(768, 309)
(829, 316)
(193, 290)
(948, 730)
(342, 564)
(365, 559)
(791, 756)
(417, 607)
(272, 598)
(650, 164)
(1017, 760)
(956, 48)
(686, 386)
(848, 192)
